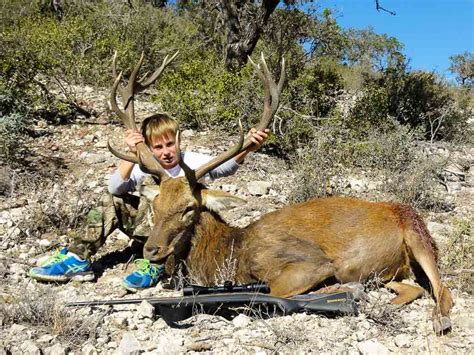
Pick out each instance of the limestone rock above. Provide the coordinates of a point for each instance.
(402, 341)
(259, 188)
(129, 345)
(241, 321)
(56, 349)
(146, 310)
(372, 347)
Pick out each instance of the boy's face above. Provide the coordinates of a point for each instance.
(164, 149)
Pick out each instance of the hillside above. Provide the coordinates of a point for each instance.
(68, 168)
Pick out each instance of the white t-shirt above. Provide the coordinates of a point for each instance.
(118, 186)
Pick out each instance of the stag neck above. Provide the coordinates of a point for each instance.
(214, 243)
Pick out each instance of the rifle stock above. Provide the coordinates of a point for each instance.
(173, 309)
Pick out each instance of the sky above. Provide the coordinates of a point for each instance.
(431, 30)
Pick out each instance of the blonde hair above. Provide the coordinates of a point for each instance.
(160, 124)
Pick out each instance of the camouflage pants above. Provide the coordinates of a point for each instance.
(130, 213)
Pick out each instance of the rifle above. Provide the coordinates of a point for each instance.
(174, 309)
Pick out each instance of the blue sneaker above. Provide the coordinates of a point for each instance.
(146, 276)
(62, 267)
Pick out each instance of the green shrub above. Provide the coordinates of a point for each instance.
(315, 90)
(457, 259)
(370, 110)
(334, 153)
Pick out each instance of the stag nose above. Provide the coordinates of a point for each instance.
(150, 252)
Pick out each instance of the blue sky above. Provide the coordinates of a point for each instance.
(431, 30)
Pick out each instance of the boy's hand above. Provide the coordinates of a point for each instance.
(258, 138)
(132, 138)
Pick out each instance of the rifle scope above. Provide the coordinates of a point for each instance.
(226, 288)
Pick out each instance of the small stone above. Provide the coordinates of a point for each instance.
(89, 349)
(146, 310)
(241, 321)
(464, 322)
(30, 348)
(259, 188)
(372, 347)
(45, 338)
(129, 345)
(44, 243)
(360, 335)
(17, 328)
(402, 341)
(101, 144)
(56, 349)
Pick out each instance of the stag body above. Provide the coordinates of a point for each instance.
(294, 249)
(299, 247)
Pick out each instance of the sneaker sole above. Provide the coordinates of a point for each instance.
(81, 277)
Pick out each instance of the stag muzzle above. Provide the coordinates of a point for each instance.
(157, 254)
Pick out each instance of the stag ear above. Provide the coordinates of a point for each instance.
(217, 200)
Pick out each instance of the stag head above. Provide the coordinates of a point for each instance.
(178, 205)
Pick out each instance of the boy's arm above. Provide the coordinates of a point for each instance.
(125, 179)
(231, 166)
(258, 138)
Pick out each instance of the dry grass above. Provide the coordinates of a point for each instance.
(43, 310)
(50, 206)
(457, 259)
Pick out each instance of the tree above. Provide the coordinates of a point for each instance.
(462, 65)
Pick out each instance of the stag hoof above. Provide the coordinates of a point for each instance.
(442, 325)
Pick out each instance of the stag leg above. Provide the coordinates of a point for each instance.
(406, 293)
(299, 277)
(442, 295)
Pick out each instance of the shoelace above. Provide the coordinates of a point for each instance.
(56, 258)
(145, 268)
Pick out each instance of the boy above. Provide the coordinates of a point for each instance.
(129, 212)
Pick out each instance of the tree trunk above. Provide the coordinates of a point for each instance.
(242, 41)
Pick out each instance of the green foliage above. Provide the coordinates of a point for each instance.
(458, 257)
(324, 164)
(373, 51)
(462, 65)
(315, 90)
(200, 93)
(369, 110)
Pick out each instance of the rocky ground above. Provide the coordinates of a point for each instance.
(69, 168)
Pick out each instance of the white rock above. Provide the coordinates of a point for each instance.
(45, 338)
(241, 321)
(89, 349)
(464, 322)
(259, 188)
(129, 345)
(372, 347)
(56, 349)
(17, 328)
(44, 243)
(402, 341)
(146, 310)
(30, 348)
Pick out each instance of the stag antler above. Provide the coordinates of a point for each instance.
(271, 101)
(144, 157)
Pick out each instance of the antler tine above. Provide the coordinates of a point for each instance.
(271, 101)
(128, 157)
(114, 70)
(222, 158)
(144, 83)
(144, 157)
(113, 102)
(188, 172)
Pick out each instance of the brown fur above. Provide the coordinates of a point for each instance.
(297, 248)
